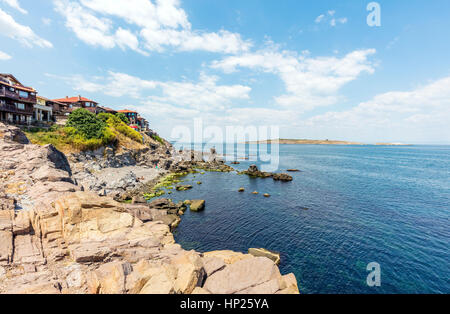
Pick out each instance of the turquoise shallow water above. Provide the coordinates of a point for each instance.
(350, 205)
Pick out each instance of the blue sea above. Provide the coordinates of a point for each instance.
(348, 207)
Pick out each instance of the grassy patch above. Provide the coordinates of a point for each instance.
(158, 139)
(68, 139)
(85, 131)
(118, 125)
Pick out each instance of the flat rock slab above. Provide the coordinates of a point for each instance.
(242, 275)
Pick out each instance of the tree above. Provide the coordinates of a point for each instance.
(123, 117)
(86, 123)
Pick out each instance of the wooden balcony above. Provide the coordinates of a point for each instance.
(12, 95)
(14, 109)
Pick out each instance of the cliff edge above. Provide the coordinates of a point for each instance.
(57, 238)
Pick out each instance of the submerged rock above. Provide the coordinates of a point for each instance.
(183, 187)
(274, 256)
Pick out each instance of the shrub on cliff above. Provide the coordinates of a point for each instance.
(77, 140)
(86, 123)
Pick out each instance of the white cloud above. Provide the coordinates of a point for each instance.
(319, 18)
(24, 34)
(87, 27)
(330, 16)
(15, 4)
(418, 115)
(46, 21)
(4, 56)
(159, 25)
(204, 95)
(310, 82)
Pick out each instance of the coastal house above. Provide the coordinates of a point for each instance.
(16, 100)
(42, 112)
(74, 103)
(131, 115)
(59, 111)
(142, 123)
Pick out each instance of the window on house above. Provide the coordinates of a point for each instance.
(20, 106)
(23, 94)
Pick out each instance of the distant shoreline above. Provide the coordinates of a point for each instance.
(320, 142)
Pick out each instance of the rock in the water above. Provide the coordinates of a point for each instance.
(293, 170)
(183, 187)
(197, 205)
(282, 177)
(253, 168)
(274, 256)
(254, 172)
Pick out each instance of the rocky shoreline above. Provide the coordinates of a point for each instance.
(62, 229)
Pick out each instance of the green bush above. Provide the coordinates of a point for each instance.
(86, 123)
(104, 116)
(123, 117)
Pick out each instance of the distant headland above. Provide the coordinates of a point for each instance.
(318, 142)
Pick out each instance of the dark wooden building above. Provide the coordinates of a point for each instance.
(16, 100)
(101, 109)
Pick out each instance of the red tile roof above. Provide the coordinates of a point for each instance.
(126, 111)
(73, 100)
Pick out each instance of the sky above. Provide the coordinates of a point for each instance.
(315, 69)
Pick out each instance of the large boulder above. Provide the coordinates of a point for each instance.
(255, 274)
(197, 205)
